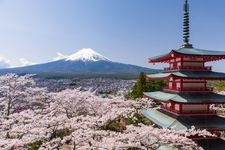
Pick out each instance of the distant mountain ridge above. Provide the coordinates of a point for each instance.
(84, 63)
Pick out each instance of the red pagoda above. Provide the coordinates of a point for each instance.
(187, 99)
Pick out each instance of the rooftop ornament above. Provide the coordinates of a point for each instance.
(186, 32)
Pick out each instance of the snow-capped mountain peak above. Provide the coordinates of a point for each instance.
(86, 54)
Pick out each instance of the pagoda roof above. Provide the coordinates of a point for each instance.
(187, 97)
(167, 120)
(166, 147)
(201, 52)
(208, 55)
(189, 74)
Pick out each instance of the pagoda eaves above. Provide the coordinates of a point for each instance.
(206, 75)
(168, 120)
(206, 55)
(186, 97)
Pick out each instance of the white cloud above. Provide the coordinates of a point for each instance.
(4, 63)
(25, 62)
(60, 56)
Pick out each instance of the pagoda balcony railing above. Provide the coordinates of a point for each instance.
(207, 68)
(189, 89)
(188, 112)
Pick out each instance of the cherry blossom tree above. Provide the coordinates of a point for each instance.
(76, 119)
(17, 91)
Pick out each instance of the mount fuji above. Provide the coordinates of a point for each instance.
(83, 64)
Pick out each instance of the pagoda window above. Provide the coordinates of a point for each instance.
(178, 85)
(177, 107)
(170, 85)
(168, 105)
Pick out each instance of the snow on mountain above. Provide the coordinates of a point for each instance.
(86, 54)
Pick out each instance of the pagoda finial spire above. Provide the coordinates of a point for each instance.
(186, 33)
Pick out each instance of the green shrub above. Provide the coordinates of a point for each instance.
(34, 146)
(142, 85)
(61, 133)
(119, 124)
(219, 85)
(137, 119)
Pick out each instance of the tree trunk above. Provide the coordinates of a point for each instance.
(74, 146)
(9, 107)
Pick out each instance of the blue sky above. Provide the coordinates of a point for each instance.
(126, 31)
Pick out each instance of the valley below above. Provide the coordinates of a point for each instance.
(96, 85)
